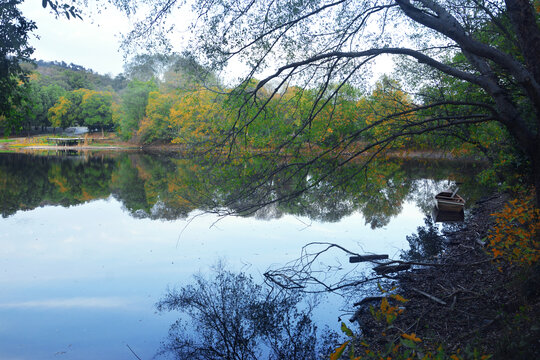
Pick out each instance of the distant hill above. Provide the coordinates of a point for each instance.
(72, 77)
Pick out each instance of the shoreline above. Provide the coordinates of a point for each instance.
(401, 154)
(467, 301)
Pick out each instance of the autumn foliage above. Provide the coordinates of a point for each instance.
(515, 235)
(405, 346)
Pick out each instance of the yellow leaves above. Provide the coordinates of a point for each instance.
(34, 76)
(56, 178)
(339, 351)
(387, 312)
(383, 290)
(411, 337)
(58, 112)
(194, 115)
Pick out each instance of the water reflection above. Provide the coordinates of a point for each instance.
(170, 187)
(83, 265)
(429, 240)
(230, 317)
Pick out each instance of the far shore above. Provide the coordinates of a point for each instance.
(111, 142)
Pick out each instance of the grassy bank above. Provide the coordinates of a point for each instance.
(91, 141)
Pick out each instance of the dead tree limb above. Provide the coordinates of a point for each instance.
(434, 298)
(317, 271)
(364, 258)
(388, 269)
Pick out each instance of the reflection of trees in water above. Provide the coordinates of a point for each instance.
(30, 181)
(229, 316)
(427, 243)
(170, 187)
(425, 191)
(429, 240)
(128, 188)
(432, 177)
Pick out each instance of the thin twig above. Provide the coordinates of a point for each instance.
(133, 352)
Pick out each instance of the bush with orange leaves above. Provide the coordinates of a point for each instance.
(515, 235)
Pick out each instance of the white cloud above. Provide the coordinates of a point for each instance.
(76, 302)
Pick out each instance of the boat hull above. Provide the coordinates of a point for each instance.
(448, 203)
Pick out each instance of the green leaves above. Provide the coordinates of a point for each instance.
(339, 351)
(62, 7)
(83, 107)
(346, 330)
(14, 49)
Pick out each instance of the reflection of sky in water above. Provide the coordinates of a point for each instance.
(81, 282)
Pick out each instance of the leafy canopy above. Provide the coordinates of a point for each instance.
(14, 32)
(478, 56)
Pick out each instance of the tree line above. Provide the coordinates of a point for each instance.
(161, 98)
(475, 93)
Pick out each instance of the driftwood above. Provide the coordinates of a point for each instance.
(362, 258)
(436, 299)
(387, 269)
(307, 275)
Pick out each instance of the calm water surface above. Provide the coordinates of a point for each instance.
(89, 244)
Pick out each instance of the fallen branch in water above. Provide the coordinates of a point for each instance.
(364, 258)
(310, 274)
(388, 269)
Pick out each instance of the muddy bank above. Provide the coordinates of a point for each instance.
(467, 301)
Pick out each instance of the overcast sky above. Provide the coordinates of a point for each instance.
(92, 43)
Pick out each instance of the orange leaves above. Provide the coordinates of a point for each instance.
(385, 101)
(411, 337)
(387, 311)
(399, 298)
(515, 235)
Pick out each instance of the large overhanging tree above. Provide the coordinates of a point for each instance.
(14, 32)
(490, 46)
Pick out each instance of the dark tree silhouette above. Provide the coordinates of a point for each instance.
(229, 316)
(14, 32)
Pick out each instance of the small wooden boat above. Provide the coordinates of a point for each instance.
(449, 201)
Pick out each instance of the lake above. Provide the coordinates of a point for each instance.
(91, 242)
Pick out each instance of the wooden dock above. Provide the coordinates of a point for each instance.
(66, 141)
